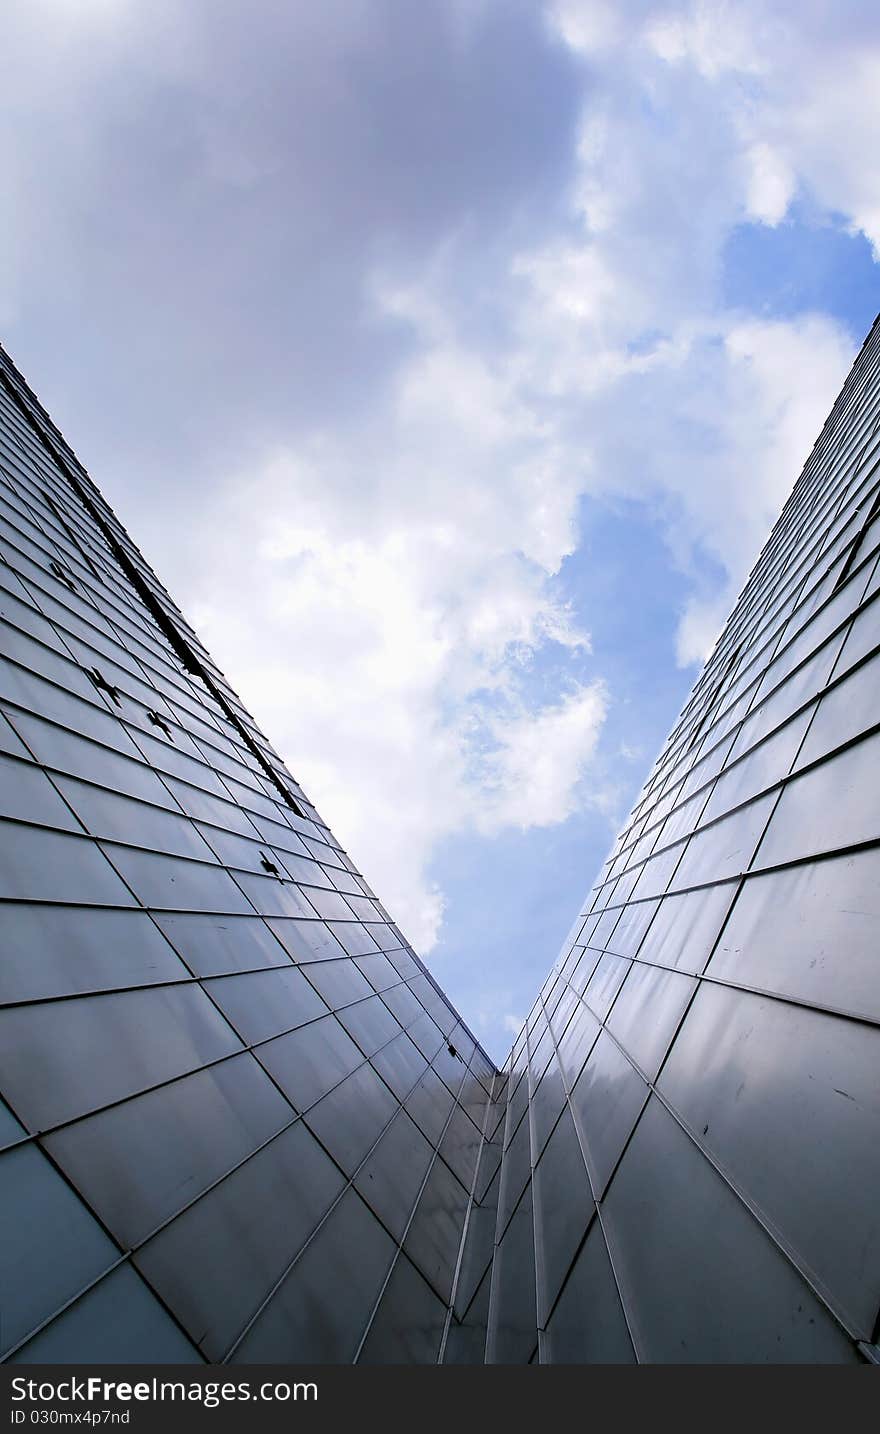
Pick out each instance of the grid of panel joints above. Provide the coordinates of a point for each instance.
(692, 778)
(267, 749)
(465, 1341)
(767, 574)
(110, 534)
(202, 980)
(716, 1014)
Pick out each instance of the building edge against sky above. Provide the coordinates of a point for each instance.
(242, 1123)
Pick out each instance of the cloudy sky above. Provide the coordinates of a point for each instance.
(449, 360)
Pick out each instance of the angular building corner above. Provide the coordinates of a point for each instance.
(240, 1121)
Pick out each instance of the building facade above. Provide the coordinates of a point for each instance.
(240, 1121)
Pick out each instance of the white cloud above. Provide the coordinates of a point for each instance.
(532, 776)
(588, 26)
(379, 573)
(771, 184)
(777, 384)
(702, 116)
(385, 638)
(405, 570)
(716, 37)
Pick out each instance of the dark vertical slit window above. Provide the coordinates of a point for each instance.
(855, 546)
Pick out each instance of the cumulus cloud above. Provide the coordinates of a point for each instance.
(534, 771)
(375, 298)
(389, 630)
(771, 184)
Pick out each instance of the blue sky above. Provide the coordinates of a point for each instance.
(449, 362)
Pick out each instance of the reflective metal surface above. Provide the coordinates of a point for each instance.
(241, 1123)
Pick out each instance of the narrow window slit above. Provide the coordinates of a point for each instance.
(62, 575)
(158, 721)
(99, 680)
(856, 543)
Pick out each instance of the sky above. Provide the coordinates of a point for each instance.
(449, 362)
